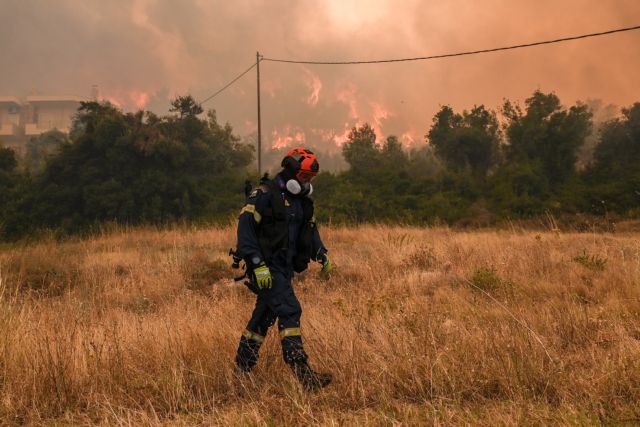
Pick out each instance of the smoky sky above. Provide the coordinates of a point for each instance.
(142, 53)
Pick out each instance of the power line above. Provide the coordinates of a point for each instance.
(229, 84)
(422, 58)
(449, 55)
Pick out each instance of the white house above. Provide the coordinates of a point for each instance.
(11, 118)
(10, 112)
(47, 112)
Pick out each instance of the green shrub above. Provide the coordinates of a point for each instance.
(592, 262)
(487, 280)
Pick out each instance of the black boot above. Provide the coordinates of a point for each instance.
(310, 379)
(247, 355)
(295, 356)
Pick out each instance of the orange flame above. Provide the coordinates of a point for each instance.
(348, 97)
(407, 139)
(379, 113)
(140, 99)
(287, 137)
(315, 85)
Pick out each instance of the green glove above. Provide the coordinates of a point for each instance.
(326, 267)
(263, 276)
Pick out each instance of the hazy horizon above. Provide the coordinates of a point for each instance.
(145, 52)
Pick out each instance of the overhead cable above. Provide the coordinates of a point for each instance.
(423, 58)
(228, 84)
(449, 55)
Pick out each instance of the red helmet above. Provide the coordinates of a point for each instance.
(302, 162)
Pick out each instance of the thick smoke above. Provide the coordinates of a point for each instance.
(144, 52)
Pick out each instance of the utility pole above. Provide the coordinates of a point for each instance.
(259, 118)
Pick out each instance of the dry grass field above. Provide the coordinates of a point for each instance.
(419, 326)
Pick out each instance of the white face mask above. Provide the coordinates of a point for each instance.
(297, 189)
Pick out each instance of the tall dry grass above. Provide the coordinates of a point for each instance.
(419, 326)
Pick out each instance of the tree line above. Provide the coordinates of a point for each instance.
(479, 166)
(129, 168)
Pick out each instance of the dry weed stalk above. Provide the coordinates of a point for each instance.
(140, 327)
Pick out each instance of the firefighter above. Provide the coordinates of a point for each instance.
(277, 236)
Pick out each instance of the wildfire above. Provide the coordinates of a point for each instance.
(140, 99)
(341, 138)
(287, 137)
(348, 97)
(379, 113)
(129, 99)
(407, 139)
(331, 136)
(315, 85)
(373, 112)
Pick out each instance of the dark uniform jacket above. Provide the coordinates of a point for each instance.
(279, 229)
